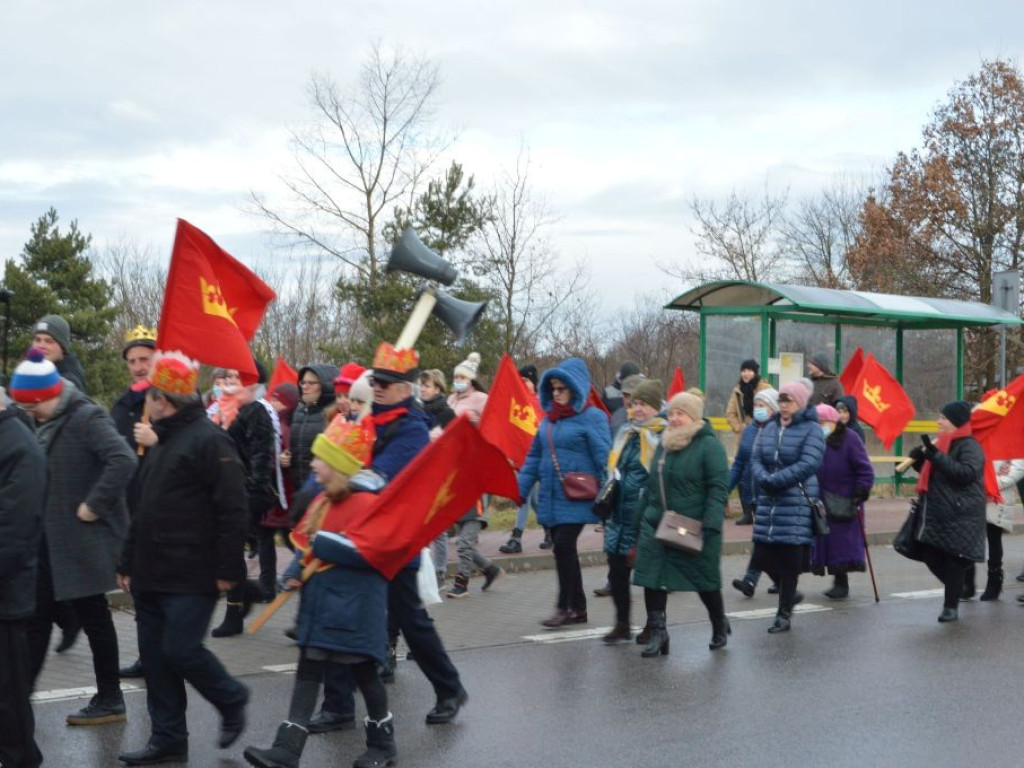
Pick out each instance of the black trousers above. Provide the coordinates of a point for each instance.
(949, 569)
(995, 546)
(171, 631)
(420, 635)
(618, 576)
(93, 613)
(657, 600)
(17, 724)
(571, 596)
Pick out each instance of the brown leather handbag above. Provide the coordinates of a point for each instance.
(676, 530)
(577, 486)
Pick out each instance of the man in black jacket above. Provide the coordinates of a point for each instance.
(184, 548)
(22, 481)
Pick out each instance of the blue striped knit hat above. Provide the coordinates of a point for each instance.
(35, 380)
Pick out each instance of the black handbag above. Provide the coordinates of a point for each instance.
(819, 517)
(841, 509)
(907, 542)
(607, 498)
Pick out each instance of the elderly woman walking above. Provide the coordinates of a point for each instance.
(786, 461)
(845, 479)
(689, 475)
(573, 439)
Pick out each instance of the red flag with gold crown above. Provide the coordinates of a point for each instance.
(511, 415)
(430, 494)
(882, 402)
(998, 422)
(213, 303)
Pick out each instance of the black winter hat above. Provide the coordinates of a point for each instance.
(751, 365)
(627, 369)
(529, 371)
(958, 412)
(821, 361)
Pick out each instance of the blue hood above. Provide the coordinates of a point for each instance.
(575, 374)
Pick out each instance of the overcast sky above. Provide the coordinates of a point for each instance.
(126, 116)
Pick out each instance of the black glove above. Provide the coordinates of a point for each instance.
(917, 454)
(861, 495)
(929, 447)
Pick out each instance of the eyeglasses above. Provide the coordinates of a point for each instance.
(556, 390)
(309, 383)
(380, 384)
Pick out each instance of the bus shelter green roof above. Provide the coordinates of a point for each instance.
(906, 311)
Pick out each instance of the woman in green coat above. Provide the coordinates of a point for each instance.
(691, 467)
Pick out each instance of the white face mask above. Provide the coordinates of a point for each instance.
(460, 386)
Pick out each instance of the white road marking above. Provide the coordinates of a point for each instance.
(282, 667)
(550, 638)
(63, 694)
(767, 613)
(919, 594)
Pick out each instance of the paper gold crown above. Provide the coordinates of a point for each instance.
(140, 333)
(345, 446)
(387, 358)
(174, 373)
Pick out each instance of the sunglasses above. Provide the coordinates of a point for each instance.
(379, 383)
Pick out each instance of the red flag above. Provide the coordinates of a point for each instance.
(213, 304)
(852, 370)
(430, 494)
(882, 402)
(594, 399)
(511, 415)
(678, 383)
(283, 374)
(998, 423)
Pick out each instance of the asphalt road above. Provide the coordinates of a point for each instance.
(853, 684)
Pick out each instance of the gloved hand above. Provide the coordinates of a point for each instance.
(929, 447)
(917, 454)
(861, 495)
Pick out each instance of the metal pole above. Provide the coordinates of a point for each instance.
(1002, 357)
(5, 297)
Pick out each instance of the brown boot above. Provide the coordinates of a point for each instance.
(620, 633)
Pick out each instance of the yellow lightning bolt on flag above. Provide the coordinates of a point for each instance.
(443, 497)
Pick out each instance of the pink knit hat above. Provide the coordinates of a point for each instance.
(795, 392)
(827, 413)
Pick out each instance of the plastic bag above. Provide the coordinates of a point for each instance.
(426, 580)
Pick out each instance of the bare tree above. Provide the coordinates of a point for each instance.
(138, 278)
(514, 260)
(736, 239)
(658, 339)
(367, 150)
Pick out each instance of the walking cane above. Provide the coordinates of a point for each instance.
(867, 552)
(282, 598)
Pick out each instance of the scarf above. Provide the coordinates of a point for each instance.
(835, 440)
(677, 438)
(649, 434)
(748, 388)
(372, 421)
(942, 442)
(559, 411)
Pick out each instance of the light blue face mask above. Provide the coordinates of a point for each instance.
(826, 429)
(217, 392)
(460, 386)
(762, 414)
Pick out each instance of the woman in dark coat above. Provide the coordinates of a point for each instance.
(576, 438)
(689, 475)
(951, 495)
(786, 460)
(848, 410)
(846, 473)
(630, 461)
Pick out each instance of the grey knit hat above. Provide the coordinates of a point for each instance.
(769, 397)
(57, 327)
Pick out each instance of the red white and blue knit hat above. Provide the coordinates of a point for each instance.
(35, 380)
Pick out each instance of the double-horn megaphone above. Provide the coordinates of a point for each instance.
(410, 255)
(460, 316)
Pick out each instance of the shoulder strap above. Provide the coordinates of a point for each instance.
(661, 481)
(554, 456)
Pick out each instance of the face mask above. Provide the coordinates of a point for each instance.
(460, 386)
(762, 414)
(217, 391)
(826, 429)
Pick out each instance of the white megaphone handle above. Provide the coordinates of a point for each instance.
(414, 325)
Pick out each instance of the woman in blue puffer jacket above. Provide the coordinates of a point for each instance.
(786, 461)
(577, 438)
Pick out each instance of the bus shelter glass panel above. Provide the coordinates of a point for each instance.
(880, 342)
(728, 341)
(929, 369)
(807, 339)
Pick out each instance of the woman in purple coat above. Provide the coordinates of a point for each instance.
(845, 473)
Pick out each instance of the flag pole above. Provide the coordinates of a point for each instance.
(282, 598)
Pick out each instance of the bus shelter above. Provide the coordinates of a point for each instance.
(919, 339)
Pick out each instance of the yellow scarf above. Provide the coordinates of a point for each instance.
(649, 433)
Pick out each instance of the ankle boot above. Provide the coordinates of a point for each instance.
(720, 631)
(515, 544)
(380, 744)
(644, 635)
(268, 587)
(285, 752)
(658, 644)
(620, 632)
(994, 585)
(232, 624)
(460, 588)
(781, 623)
(840, 587)
(547, 543)
(969, 589)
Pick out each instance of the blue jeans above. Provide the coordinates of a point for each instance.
(524, 508)
(171, 631)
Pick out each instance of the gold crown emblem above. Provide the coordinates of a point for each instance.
(523, 416)
(140, 333)
(174, 373)
(874, 396)
(387, 358)
(351, 438)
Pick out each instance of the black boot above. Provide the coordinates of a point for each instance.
(514, 545)
(840, 587)
(547, 543)
(268, 588)
(380, 744)
(969, 589)
(781, 623)
(720, 630)
(747, 518)
(658, 644)
(232, 624)
(285, 752)
(620, 632)
(994, 585)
